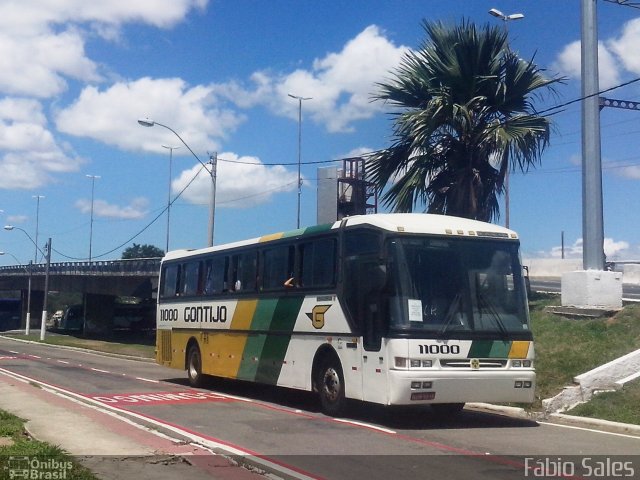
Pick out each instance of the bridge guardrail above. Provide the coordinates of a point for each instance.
(134, 266)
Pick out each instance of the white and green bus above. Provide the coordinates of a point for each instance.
(396, 309)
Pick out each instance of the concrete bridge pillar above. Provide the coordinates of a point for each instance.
(100, 311)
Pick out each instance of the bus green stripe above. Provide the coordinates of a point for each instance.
(489, 349)
(275, 346)
(255, 342)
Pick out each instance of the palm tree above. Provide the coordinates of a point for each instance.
(465, 116)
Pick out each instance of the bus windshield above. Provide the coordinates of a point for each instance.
(456, 287)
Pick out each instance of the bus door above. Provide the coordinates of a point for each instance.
(364, 285)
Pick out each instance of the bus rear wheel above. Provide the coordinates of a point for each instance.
(330, 385)
(194, 366)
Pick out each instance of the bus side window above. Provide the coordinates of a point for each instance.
(215, 275)
(243, 271)
(277, 267)
(191, 279)
(317, 263)
(170, 276)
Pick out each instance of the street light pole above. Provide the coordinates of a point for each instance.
(171, 149)
(505, 18)
(146, 122)
(93, 184)
(37, 197)
(47, 256)
(300, 100)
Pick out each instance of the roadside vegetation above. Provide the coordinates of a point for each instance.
(23, 457)
(567, 347)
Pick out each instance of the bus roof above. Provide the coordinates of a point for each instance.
(422, 223)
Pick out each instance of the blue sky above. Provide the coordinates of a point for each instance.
(75, 77)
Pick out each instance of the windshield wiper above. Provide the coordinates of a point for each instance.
(451, 313)
(482, 301)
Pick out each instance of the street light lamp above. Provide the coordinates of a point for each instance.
(505, 18)
(28, 319)
(93, 184)
(47, 256)
(300, 100)
(171, 149)
(147, 122)
(497, 13)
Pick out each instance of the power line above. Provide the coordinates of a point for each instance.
(155, 219)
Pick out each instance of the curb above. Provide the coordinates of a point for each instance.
(558, 418)
(595, 423)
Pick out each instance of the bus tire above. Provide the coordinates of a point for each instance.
(330, 385)
(194, 366)
(447, 409)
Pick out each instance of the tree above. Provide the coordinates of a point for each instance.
(142, 251)
(465, 117)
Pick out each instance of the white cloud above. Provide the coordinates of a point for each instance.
(13, 219)
(30, 153)
(137, 209)
(34, 15)
(626, 46)
(111, 115)
(568, 63)
(48, 58)
(340, 84)
(613, 249)
(42, 47)
(239, 185)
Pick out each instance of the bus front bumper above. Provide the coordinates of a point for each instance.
(424, 387)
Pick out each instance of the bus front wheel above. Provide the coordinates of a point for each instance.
(330, 385)
(194, 366)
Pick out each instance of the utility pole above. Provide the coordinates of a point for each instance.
(592, 211)
(213, 165)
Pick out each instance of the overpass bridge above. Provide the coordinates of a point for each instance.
(100, 282)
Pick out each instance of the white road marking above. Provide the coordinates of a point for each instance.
(624, 435)
(365, 425)
(147, 380)
(98, 370)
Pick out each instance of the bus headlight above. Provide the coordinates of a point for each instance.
(405, 363)
(401, 362)
(521, 363)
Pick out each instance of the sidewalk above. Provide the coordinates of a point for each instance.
(112, 448)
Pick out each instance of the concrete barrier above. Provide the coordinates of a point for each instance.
(555, 267)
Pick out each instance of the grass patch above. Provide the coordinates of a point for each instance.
(620, 406)
(568, 347)
(26, 455)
